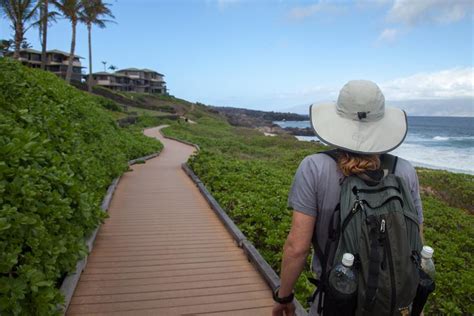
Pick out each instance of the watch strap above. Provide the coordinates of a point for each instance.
(282, 300)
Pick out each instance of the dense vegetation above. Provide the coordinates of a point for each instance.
(250, 176)
(252, 118)
(59, 150)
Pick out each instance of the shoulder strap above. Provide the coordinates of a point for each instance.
(389, 162)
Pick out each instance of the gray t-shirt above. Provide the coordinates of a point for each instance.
(315, 191)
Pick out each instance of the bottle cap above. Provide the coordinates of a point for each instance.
(427, 252)
(348, 259)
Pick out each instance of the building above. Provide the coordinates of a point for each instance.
(56, 61)
(132, 79)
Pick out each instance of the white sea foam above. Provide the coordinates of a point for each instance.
(445, 158)
(440, 138)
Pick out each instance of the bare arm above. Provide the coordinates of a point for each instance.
(295, 251)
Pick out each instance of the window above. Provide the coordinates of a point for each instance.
(35, 57)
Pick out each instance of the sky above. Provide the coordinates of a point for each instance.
(284, 55)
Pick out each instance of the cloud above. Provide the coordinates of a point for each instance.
(445, 84)
(389, 35)
(303, 12)
(412, 12)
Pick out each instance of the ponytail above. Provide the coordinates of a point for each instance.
(351, 164)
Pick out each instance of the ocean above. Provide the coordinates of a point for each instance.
(434, 142)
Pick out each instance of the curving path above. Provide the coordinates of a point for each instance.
(163, 251)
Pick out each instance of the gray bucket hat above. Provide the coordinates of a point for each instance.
(359, 122)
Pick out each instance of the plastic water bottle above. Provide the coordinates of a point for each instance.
(427, 281)
(342, 278)
(427, 264)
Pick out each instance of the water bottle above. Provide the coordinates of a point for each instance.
(342, 278)
(427, 280)
(340, 297)
(427, 264)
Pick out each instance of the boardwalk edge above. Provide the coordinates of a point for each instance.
(69, 284)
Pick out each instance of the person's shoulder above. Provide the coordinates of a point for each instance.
(318, 163)
(318, 159)
(405, 169)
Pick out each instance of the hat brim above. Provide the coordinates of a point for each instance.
(356, 136)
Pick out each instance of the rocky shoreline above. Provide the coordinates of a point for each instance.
(263, 121)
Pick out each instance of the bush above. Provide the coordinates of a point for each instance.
(59, 150)
(109, 104)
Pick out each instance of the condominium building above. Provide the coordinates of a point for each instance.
(132, 79)
(56, 61)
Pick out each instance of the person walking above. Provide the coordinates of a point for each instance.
(361, 128)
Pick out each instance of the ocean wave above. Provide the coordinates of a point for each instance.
(455, 138)
(441, 138)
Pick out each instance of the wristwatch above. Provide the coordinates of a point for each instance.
(283, 300)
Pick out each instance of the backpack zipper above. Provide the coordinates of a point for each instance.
(358, 205)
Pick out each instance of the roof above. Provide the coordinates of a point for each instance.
(142, 70)
(129, 69)
(103, 73)
(149, 70)
(30, 50)
(60, 52)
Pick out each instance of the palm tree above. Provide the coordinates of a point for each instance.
(112, 67)
(20, 13)
(94, 12)
(46, 17)
(105, 65)
(71, 10)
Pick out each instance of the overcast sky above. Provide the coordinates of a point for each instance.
(278, 55)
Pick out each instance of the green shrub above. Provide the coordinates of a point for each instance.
(59, 150)
(109, 104)
(450, 231)
(456, 189)
(250, 176)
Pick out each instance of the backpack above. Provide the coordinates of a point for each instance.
(377, 222)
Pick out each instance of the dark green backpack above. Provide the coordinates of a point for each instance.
(377, 222)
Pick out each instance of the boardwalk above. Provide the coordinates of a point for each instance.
(163, 251)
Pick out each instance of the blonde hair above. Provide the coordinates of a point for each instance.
(351, 163)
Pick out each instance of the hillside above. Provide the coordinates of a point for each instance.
(59, 150)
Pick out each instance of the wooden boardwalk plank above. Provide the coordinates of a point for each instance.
(163, 251)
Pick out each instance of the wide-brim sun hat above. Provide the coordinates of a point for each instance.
(359, 121)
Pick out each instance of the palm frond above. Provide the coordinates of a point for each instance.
(94, 12)
(69, 9)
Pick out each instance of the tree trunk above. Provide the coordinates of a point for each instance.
(18, 39)
(71, 54)
(44, 32)
(89, 79)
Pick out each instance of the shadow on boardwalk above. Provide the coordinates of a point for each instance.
(163, 251)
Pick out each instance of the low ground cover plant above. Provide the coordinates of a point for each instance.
(59, 151)
(250, 175)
